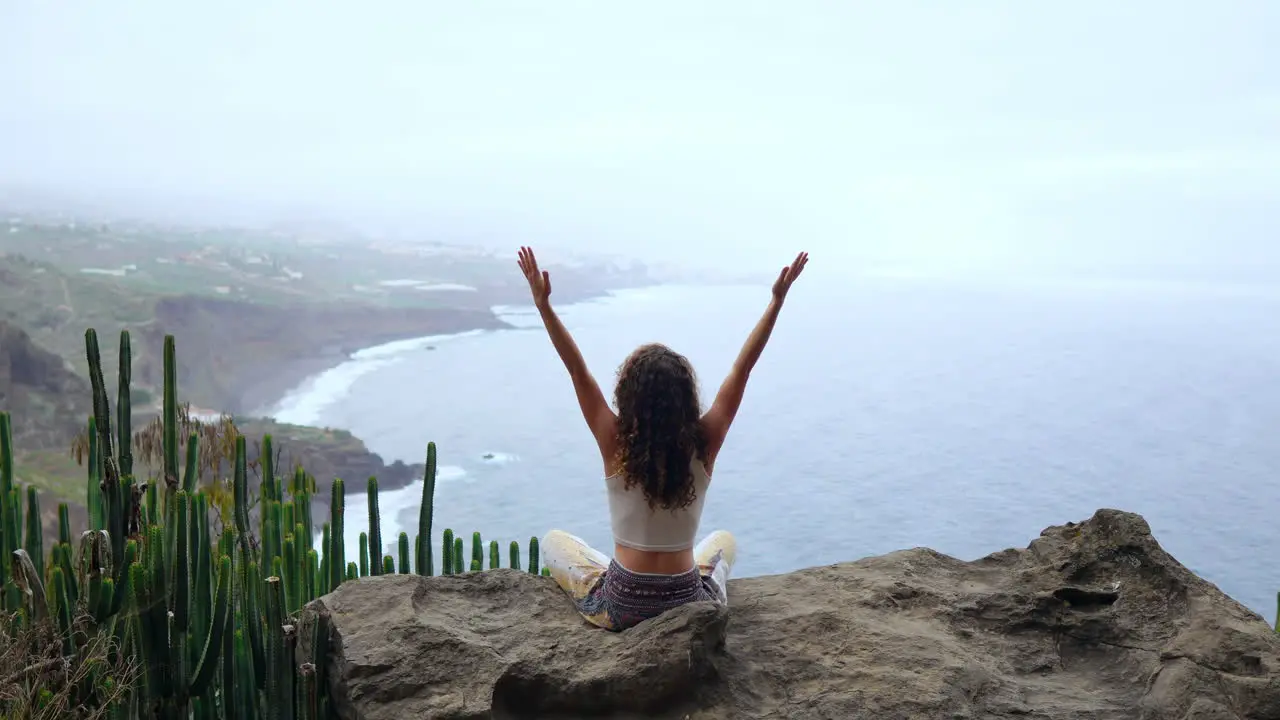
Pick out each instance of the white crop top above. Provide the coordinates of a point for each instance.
(636, 525)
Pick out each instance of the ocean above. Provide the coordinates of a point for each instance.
(886, 413)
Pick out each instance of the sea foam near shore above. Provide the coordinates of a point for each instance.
(305, 404)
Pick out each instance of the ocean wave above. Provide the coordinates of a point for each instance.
(498, 458)
(305, 403)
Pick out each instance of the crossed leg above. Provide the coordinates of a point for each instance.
(714, 557)
(577, 568)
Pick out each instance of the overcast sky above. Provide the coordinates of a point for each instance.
(945, 133)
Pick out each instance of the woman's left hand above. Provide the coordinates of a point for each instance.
(539, 281)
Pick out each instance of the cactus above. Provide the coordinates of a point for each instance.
(404, 553)
(426, 511)
(307, 692)
(275, 645)
(35, 531)
(364, 555)
(267, 459)
(337, 563)
(8, 541)
(375, 528)
(93, 488)
(64, 523)
(533, 555)
(214, 635)
(191, 473)
(446, 553)
(495, 556)
(515, 555)
(546, 572)
(124, 406)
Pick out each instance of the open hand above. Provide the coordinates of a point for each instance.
(788, 276)
(539, 280)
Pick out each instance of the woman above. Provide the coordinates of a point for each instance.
(658, 451)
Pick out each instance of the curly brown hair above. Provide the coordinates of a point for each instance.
(659, 425)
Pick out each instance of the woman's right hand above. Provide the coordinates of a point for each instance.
(539, 281)
(788, 276)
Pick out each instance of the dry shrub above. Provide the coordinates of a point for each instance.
(38, 683)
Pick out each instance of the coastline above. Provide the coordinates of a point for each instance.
(268, 395)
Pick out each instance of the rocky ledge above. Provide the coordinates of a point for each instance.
(1092, 620)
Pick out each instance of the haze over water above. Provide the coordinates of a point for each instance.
(886, 414)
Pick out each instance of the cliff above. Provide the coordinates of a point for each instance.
(46, 399)
(1091, 620)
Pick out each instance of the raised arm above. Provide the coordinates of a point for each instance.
(724, 408)
(595, 409)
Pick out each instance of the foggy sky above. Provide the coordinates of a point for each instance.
(948, 134)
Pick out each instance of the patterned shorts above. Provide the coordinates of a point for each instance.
(615, 598)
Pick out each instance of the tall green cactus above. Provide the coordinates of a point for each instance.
(275, 646)
(515, 555)
(477, 549)
(169, 411)
(404, 553)
(35, 531)
(376, 547)
(124, 405)
(267, 460)
(364, 554)
(191, 472)
(425, 513)
(495, 556)
(337, 561)
(458, 561)
(64, 523)
(446, 553)
(533, 555)
(93, 488)
(8, 535)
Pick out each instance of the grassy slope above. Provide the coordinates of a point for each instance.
(55, 307)
(240, 304)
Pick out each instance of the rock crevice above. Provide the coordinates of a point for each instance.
(1092, 620)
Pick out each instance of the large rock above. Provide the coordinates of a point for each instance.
(1092, 620)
